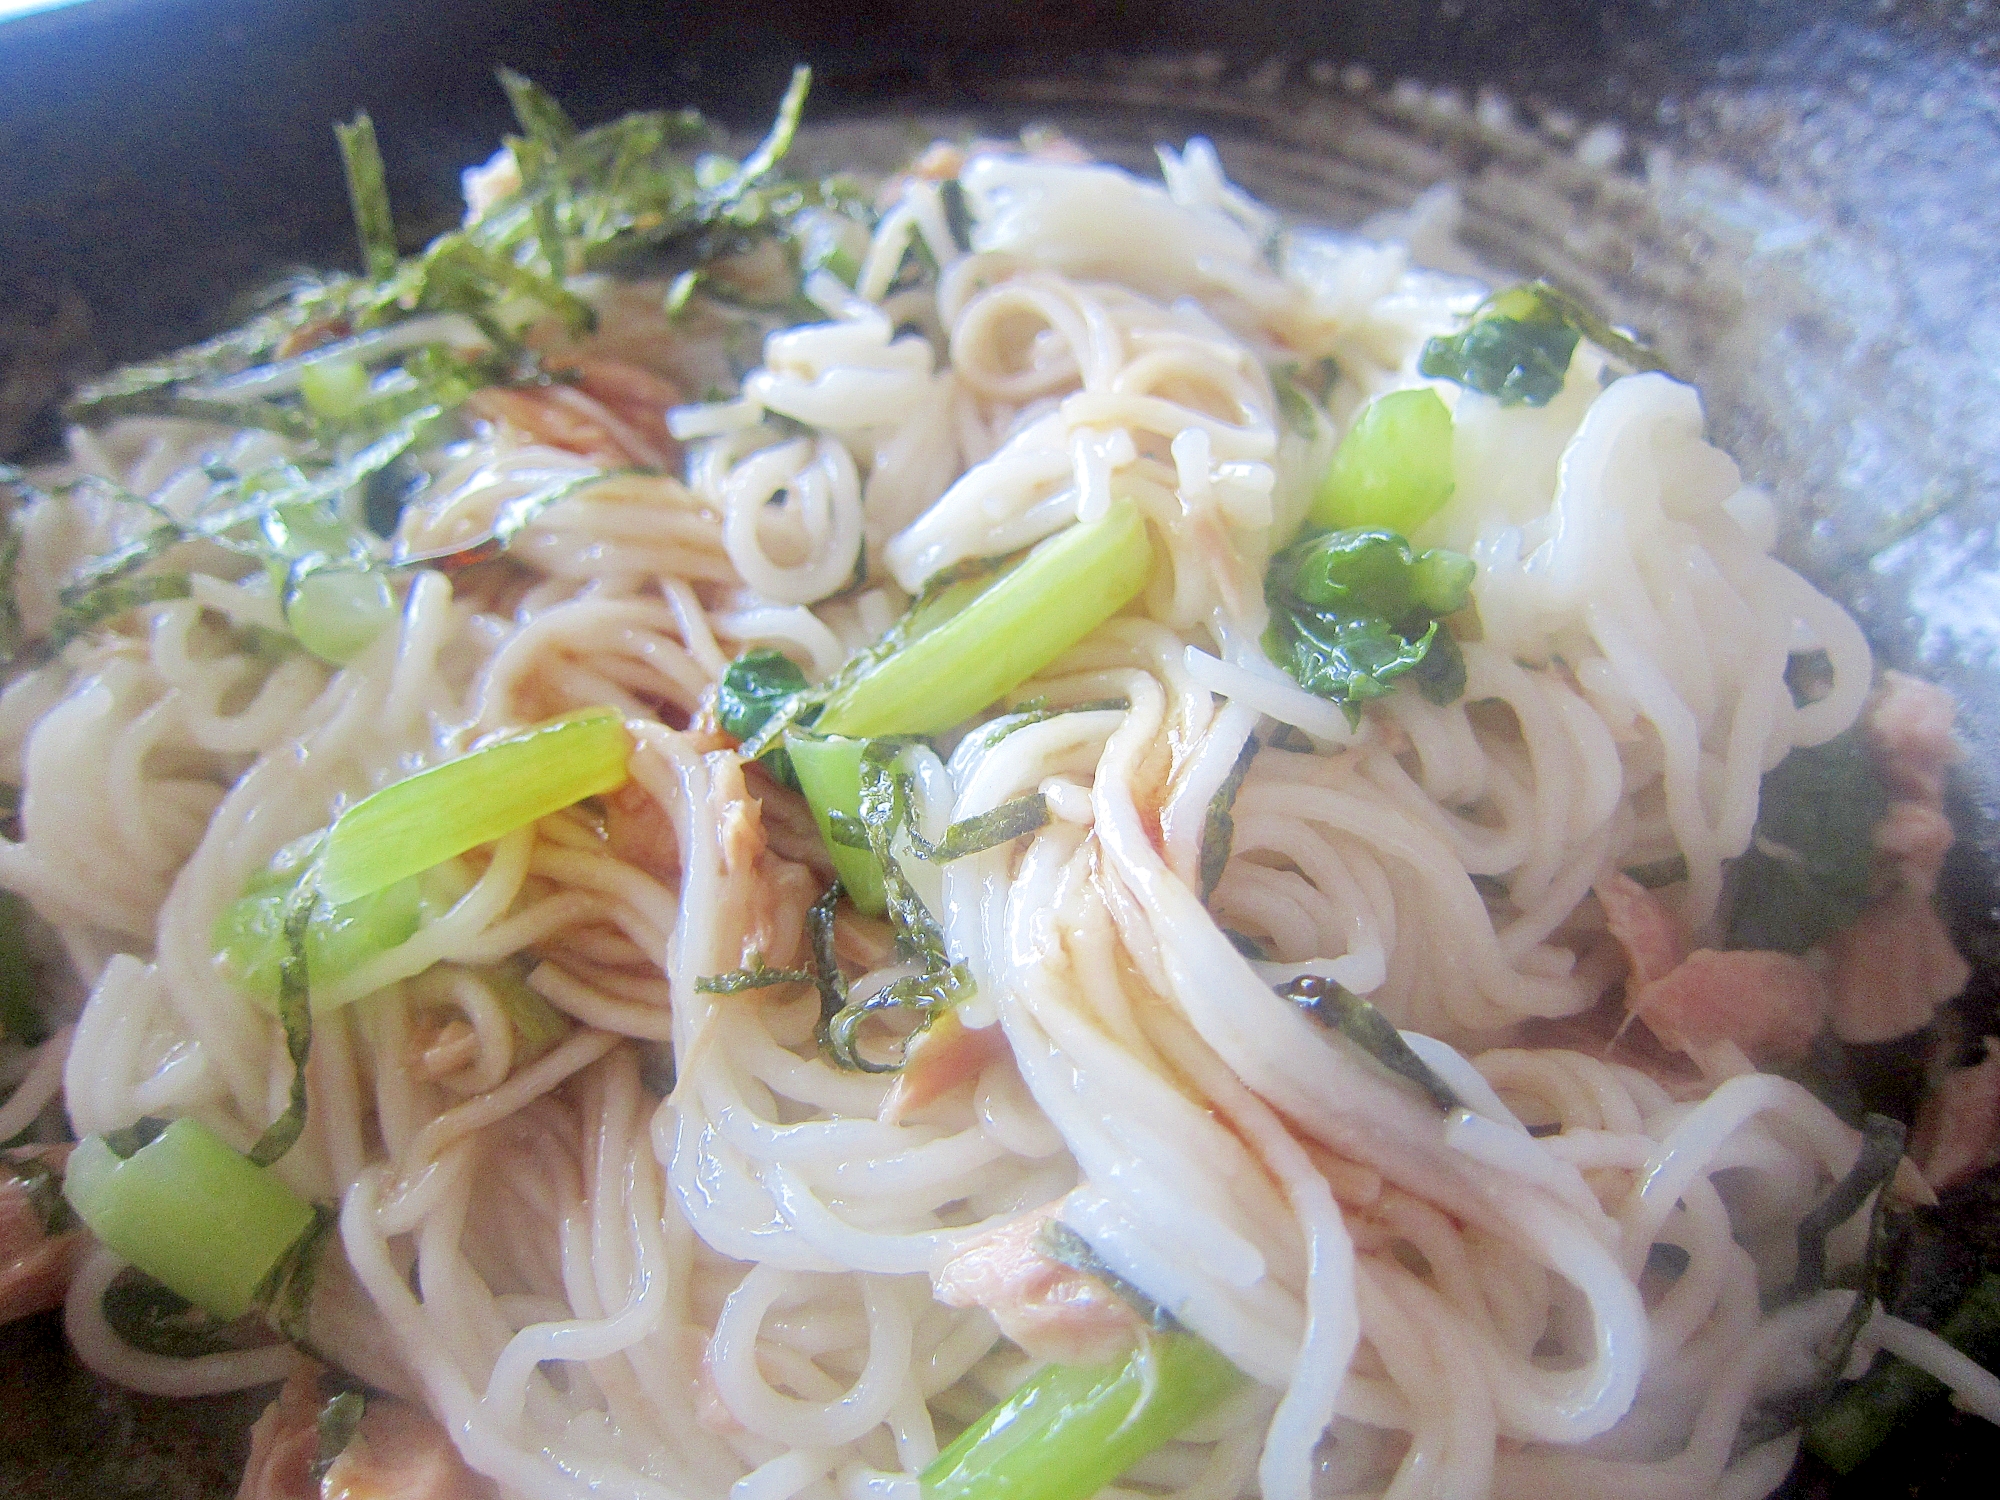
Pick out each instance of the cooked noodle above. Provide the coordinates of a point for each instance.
(726, 1290)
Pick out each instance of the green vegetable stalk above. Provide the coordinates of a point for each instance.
(1855, 1423)
(1015, 627)
(412, 825)
(1393, 468)
(186, 1209)
(1069, 1430)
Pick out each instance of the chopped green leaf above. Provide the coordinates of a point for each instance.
(43, 1185)
(1393, 468)
(957, 213)
(338, 1421)
(987, 830)
(1351, 611)
(1518, 344)
(1218, 830)
(1881, 1152)
(755, 975)
(755, 687)
(21, 1017)
(1857, 1421)
(1365, 1026)
(1807, 872)
(295, 1018)
(542, 120)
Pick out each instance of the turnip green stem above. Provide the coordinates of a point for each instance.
(1068, 1431)
(1019, 624)
(1393, 469)
(411, 825)
(193, 1214)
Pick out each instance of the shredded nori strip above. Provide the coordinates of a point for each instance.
(987, 830)
(1365, 1026)
(368, 192)
(754, 975)
(1218, 830)
(295, 1015)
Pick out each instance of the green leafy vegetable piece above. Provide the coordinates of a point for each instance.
(368, 192)
(249, 934)
(295, 1018)
(957, 212)
(1218, 830)
(1659, 872)
(1016, 626)
(20, 1012)
(195, 1215)
(150, 1317)
(1518, 344)
(829, 771)
(987, 830)
(1881, 1151)
(1393, 469)
(755, 975)
(755, 686)
(1807, 872)
(1351, 611)
(411, 825)
(1068, 1430)
(1365, 1026)
(545, 122)
(1855, 1423)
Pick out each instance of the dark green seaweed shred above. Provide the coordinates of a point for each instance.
(1365, 1026)
(21, 1017)
(987, 830)
(755, 975)
(43, 1185)
(1218, 828)
(295, 1016)
(957, 213)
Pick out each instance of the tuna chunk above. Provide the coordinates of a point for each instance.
(1893, 968)
(1051, 1310)
(1958, 1128)
(399, 1452)
(35, 1266)
(1770, 1005)
(1909, 729)
(1765, 1005)
(943, 1056)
